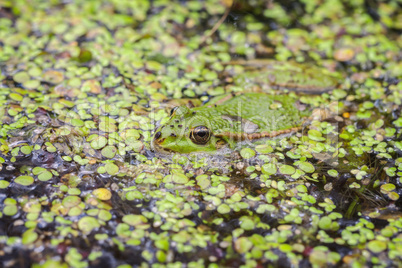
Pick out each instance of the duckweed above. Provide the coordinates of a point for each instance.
(86, 224)
(102, 193)
(85, 83)
(24, 180)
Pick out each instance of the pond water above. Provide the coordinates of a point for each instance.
(85, 84)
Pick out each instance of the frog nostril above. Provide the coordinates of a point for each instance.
(158, 135)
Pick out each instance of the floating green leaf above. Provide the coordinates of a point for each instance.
(24, 180)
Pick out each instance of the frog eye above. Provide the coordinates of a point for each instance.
(200, 135)
(173, 110)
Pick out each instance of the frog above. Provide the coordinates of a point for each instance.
(227, 120)
(249, 115)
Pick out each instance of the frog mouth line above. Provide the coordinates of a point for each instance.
(155, 147)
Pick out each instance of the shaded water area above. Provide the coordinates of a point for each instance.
(84, 84)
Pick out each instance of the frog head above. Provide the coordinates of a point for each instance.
(185, 132)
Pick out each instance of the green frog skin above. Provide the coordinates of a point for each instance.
(227, 120)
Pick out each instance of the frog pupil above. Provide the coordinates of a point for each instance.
(201, 133)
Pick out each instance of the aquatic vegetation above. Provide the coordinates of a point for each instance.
(84, 85)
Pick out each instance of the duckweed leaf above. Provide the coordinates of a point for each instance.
(109, 151)
(24, 180)
(247, 153)
(98, 142)
(223, 209)
(243, 245)
(111, 168)
(102, 193)
(29, 236)
(306, 167)
(134, 220)
(86, 224)
(286, 169)
(4, 184)
(377, 246)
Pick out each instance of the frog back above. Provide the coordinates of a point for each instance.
(251, 114)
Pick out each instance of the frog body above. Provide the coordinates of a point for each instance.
(228, 119)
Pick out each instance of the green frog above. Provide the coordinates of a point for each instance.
(232, 118)
(228, 119)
